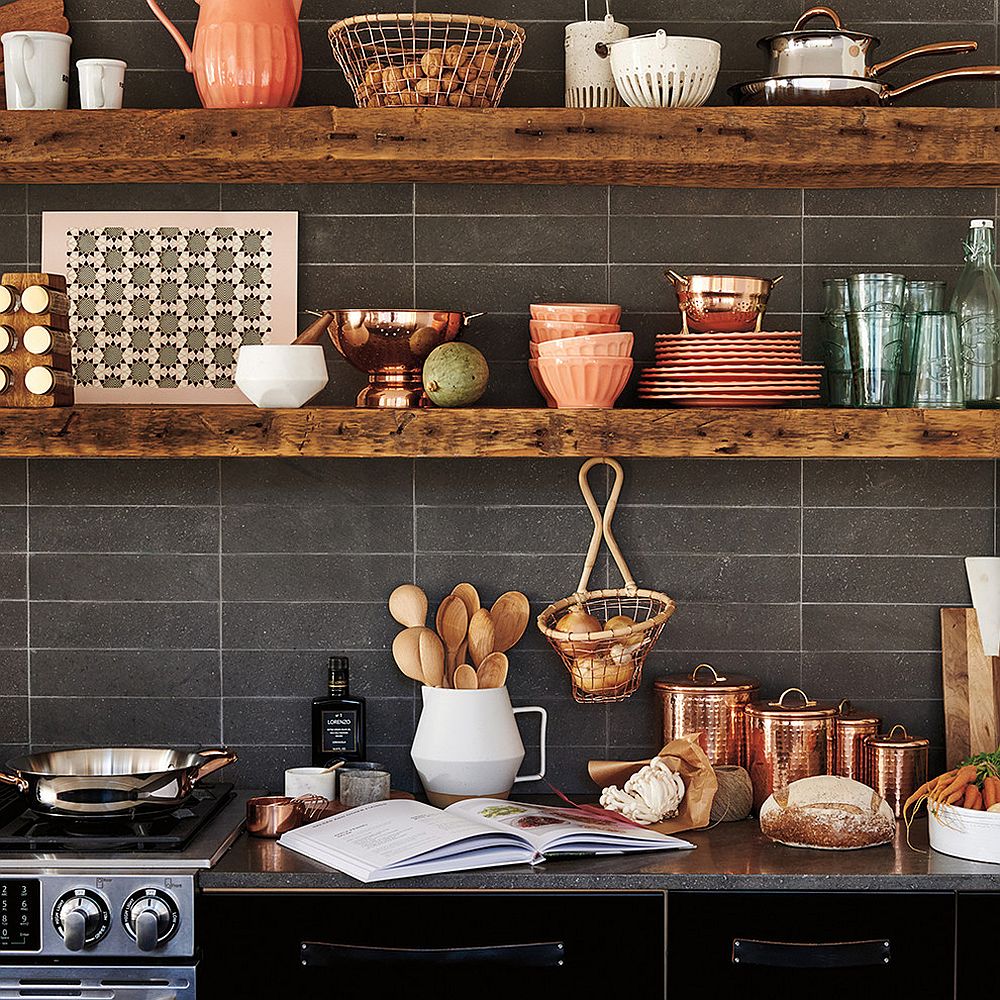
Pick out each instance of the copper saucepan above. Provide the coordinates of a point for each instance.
(841, 91)
(837, 51)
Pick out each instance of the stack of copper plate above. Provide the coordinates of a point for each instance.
(730, 369)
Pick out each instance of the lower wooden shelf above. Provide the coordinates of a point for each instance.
(246, 432)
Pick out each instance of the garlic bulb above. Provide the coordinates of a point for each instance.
(649, 796)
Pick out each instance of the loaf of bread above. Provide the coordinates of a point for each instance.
(833, 814)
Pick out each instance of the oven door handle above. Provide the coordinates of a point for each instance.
(542, 955)
(796, 955)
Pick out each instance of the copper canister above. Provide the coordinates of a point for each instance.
(895, 765)
(788, 739)
(852, 726)
(705, 702)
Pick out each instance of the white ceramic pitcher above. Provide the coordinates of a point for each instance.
(467, 745)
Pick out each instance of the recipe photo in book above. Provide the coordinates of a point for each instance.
(402, 838)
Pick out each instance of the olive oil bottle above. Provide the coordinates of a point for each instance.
(338, 720)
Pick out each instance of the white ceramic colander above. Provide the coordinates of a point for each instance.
(665, 71)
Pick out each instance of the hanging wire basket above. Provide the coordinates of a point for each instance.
(606, 666)
(444, 60)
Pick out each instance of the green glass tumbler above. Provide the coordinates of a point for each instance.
(876, 292)
(938, 376)
(919, 297)
(876, 339)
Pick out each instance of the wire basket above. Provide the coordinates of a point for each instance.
(606, 666)
(406, 60)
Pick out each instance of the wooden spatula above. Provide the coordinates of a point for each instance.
(30, 15)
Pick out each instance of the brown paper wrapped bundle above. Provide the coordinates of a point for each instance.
(686, 757)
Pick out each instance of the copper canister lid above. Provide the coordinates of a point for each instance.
(706, 680)
(849, 717)
(897, 739)
(792, 708)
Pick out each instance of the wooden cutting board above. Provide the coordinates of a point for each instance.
(971, 687)
(30, 15)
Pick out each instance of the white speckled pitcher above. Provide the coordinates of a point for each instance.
(468, 746)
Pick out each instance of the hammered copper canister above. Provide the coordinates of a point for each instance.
(705, 702)
(851, 728)
(788, 739)
(895, 765)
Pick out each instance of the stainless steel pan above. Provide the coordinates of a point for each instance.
(837, 51)
(112, 783)
(841, 91)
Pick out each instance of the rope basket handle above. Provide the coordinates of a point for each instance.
(602, 526)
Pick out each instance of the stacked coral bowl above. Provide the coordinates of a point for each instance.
(580, 357)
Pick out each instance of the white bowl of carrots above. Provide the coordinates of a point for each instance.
(963, 809)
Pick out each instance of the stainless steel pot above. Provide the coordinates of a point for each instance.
(841, 91)
(836, 51)
(112, 783)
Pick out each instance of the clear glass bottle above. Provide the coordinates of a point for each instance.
(977, 304)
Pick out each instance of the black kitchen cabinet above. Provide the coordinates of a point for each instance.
(978, 918)
(817, 946)
(383, 945)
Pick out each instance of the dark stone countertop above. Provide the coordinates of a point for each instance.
(731, 856)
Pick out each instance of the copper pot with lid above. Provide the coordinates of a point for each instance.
(703, 701)
(895, 765)
(852, 726)
(787, 740)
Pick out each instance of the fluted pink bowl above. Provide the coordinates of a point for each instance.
(585, 383)
(577, 312)
(539, 384)
(595, 345)
(551, 329)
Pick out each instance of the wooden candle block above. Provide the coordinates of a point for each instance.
(20, 361)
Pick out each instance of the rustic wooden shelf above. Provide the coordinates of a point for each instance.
(246, 432)
(703, 147)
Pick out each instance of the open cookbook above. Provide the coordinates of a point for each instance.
(401, 838)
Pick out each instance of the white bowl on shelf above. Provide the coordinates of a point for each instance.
(665, 71)
(281, 376)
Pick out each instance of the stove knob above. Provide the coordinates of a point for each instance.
(82, 918)
(151, 918)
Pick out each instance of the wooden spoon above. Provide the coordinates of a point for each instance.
(492, 672)
(481, 636)
(511, 614)
(465, 678)
(469, 596)
(408, 605)
(406, 652)
(452, 623)
(432, 658)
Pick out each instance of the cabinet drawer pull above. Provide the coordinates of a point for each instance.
(544, 955)
(794, 955)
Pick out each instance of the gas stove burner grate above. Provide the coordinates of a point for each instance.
(21, 830)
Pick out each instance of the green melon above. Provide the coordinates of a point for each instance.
(455, 375)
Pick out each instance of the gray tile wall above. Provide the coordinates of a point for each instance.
(185, 602)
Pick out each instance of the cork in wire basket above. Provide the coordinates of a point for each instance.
(605, 664)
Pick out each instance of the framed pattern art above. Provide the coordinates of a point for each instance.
(161, 302)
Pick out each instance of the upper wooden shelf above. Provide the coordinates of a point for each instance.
(704, 147)
(246, 432)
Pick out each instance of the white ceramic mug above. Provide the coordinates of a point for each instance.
(311, 781)
(467, 745)
(36, 67)
(281, 375)
(102, 83)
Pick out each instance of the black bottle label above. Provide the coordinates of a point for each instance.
(340, 731)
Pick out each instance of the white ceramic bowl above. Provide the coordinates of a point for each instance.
(965, 833)
(665, 71)
(595, 345)
(281, 376)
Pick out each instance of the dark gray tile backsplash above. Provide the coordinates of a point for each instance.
(196, 601)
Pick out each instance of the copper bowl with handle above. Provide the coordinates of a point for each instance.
(390, 347)
(722, 303)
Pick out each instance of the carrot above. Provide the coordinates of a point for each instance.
(964, 776)
(991, 791)
(973, 798)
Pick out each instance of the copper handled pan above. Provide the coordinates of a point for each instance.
(837, 51)
(841, 91)
(112, 783)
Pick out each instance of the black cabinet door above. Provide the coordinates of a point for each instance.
(978, 920)
(381, 945)
(810, 946)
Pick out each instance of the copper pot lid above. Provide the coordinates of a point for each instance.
(794, 703)
(705, 679)
(848, 716)
(898, 739)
